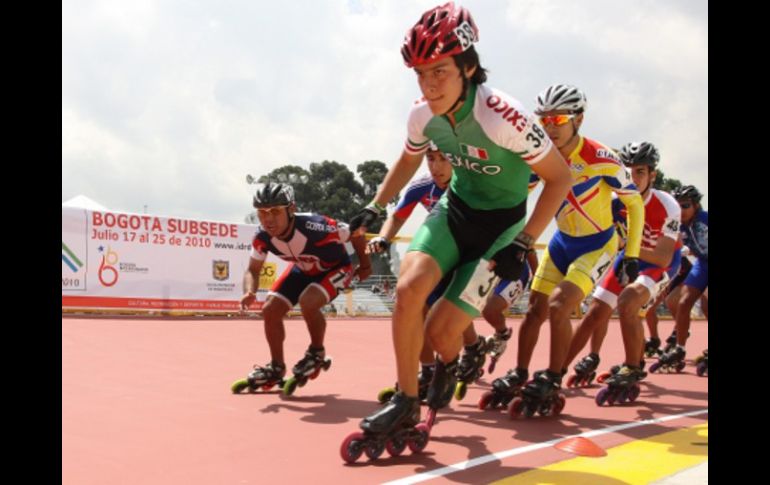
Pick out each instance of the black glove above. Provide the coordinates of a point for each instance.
(378, 244)
(510, 261)
(628, 271)
(365, 217)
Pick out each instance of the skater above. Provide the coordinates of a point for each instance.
(320, 268)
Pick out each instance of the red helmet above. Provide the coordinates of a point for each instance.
(441, 32)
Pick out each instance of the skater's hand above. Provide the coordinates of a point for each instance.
(247, 299)
(628, 271)
(377, 245)
(509, 262)
(365, 218)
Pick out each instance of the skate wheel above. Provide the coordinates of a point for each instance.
(515, 408)
(290, 386)
(395, 446)
(418, 443)
(612, 397)
(352, 447)
(654, 367)
(601, 397)
(623, 396)
(603, 377)
(327, 363)
(571, 380)
(480, 373)
(680, 366)
(561, 401)
(385, 394)
(487, 400)
(492, 364)
(702, 369)
(634, 393)
(374, 449)
(239, 385)
(267, 387)
(460, 390)
(591, 378)
(314, 374)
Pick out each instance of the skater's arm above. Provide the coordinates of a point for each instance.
(364, 263)
(251, 283)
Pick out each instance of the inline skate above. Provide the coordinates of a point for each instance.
(702, 364)
(496, 345)
(622, 386)
(585, 371)
(261, 378)
(393, 427)
(671, 361)
(471, 366)
(504, 389)
(540, 395)
(308, 367)
(652, 347)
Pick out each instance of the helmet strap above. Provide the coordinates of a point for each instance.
(463, 94)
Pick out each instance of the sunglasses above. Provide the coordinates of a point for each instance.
(271, 211)
(556, 120)
(685, 205)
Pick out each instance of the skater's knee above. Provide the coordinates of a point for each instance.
(559, 309)
(273, 311)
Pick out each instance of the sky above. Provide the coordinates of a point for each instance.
(167, 105)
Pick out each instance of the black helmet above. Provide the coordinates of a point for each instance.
(272, 194)
(636, 153)
(687, 192)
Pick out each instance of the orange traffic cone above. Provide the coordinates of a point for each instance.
(580, 446)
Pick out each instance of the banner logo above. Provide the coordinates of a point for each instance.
(220, 270)
(108, 275)
(69, 258)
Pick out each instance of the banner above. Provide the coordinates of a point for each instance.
(114, 260)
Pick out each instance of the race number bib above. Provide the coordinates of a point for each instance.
(601, 266)
(479, 287)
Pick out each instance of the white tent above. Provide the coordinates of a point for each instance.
(83, 202)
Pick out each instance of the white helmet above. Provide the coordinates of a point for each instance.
(561, 96)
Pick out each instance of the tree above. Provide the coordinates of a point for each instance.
(331, 189)
(299, 178)
(665, 184)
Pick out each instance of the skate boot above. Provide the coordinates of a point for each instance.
(504, 389)
(702, 364)
(423, 381)
(261, 377)
(652, 347)
(671, 361)
(622, 386)
(496, 345)
(471, 366)
(393, 427)
(441, 388)
(540, 395)
(307, 368)
(614, 370)
(585, 371)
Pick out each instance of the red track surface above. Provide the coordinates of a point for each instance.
(148, 401)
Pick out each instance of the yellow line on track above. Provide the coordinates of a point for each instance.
(635, 463)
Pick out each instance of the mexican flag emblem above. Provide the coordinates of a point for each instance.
(475, 152)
